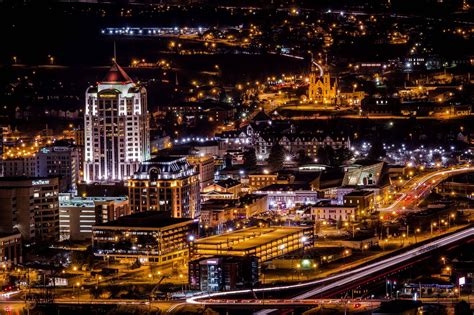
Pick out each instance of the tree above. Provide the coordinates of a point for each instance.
(436, 157)
(342, 155)
(339, 223)
(376, 151)
(322, 156)
(326, 155)
(276, 157)
(250, 159)
(462, 308)
(303, 158)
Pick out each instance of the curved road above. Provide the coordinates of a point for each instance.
(421, 187)
(350, 276)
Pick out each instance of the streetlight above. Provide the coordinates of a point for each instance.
(78, 284)
(452, 216)
(432, 226)
(385, 241)
(182, 284)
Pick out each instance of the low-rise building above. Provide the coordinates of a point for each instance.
(264, 243)
(11, 252)
(284, 196)
(334, 213)
(149, 237)
(257, 180)
(77, 215)
(363, 200)
(205, 166)
(223, 273)
(227, 186)
(214, 213)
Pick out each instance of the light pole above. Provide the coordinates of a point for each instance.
(78, 284)
(433, 224)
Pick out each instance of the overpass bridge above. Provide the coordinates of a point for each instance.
(419, 189)
(333, 285)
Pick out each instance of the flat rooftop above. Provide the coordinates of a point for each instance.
(149, 219)
(247, 238)
(359, 193)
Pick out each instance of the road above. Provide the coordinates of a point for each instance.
(345, 278)
(419, 188)
(354, 303)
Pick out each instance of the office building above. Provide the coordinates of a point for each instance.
(77, 215)
(116, 128)
(205, 166)
(31, 206)
(151, 237)
(165, 184)
(223, 273)
(61, 160)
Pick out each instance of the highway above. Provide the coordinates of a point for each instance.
(345, 278)
(420, 188)
(355, 303)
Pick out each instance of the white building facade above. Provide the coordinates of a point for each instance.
(116, 128)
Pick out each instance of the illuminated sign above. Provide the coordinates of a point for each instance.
(107, 95)
(40, 182)
(462, 281)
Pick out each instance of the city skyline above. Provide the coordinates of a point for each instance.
(236, 157)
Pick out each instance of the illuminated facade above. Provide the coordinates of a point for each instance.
(77, 215)
(151, 237)
(264, 243)
(11, 252)
(223, 273)
(60, 160)
(165, 184)
(116, 128)
(31, 206)
(322, 91)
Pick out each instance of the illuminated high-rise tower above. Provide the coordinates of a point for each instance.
(116, 128)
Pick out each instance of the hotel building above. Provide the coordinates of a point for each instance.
(166, 184)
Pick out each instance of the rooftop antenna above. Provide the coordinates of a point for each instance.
(115, 52)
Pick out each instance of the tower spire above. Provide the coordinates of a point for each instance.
(115, 52)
